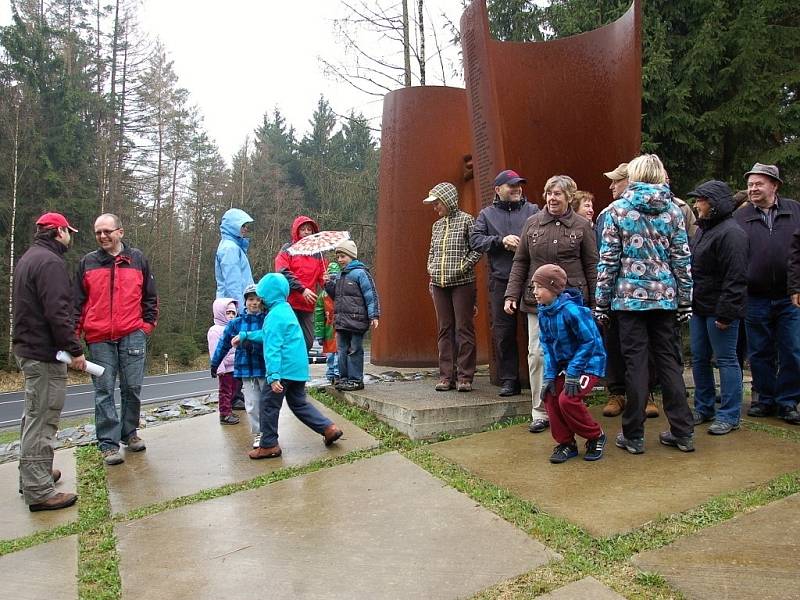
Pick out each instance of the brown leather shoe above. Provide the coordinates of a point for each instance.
(651, 410)
(272, 452)
(331, 434)
(615, 405)
(60, 500)
(56, 477)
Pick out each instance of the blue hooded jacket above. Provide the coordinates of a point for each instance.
(285, 351)
(231, 267)
(570, 339)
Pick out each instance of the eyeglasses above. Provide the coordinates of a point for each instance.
(106, 232)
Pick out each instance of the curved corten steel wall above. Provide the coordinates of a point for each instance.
(570, 106)
(424, 136)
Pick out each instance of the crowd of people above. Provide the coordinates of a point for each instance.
(606, 300)
(602, 301)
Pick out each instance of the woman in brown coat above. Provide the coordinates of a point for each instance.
(559, 236)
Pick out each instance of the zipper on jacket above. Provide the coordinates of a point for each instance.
(111, 295)
(444, 246)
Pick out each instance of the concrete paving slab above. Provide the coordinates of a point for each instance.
(377, 528)
(751, 556)
(15, 518)
(588, 587)
(621, 491)
(420, 412)
(194, 454)
(50, 571)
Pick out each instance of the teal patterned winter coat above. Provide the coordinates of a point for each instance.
(644, 252)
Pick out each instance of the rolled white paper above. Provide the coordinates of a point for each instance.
(91, 368)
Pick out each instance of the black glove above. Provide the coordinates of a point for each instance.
(601, 314)
(548, 387)
(214, 371)
(571, 386)
(684, 314)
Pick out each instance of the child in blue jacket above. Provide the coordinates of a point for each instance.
(356, 308)
(248, 361)
(286, 357)
(574, 359)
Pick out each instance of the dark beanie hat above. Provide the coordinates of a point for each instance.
(551, 277)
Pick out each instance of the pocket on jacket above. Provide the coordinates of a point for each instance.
(570, 243)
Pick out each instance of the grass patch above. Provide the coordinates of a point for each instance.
(98, 562)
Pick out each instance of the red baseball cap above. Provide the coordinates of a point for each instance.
(54, 220)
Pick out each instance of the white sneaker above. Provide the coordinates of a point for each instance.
(257, 440)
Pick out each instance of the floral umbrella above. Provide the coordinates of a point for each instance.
(317, 243)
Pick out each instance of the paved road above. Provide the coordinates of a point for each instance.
(80, 398)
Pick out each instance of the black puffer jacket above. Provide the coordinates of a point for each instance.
(793, 265)
(719, 258)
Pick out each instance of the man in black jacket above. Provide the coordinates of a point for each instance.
(772, 322)
(43, 325)
(496, 233)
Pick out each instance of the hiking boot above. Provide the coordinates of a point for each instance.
(684, 444)
(563, 452)
(56, 477)
(790, 416)
(614, 406)
(445, 385)
(259, 453)
(594, 448)
(698, 418)
(651, 410)
(229, 419)
(331, 434)
(60, 500)
(256, 440)
(134, 443)
(538, 425)
(632, 445)
(760, 410)
(113, 456)
(350, 385)
(721, 428)
(464, 386)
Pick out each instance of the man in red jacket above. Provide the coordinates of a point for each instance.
(117, 308)
(43, 325)
(305, 275)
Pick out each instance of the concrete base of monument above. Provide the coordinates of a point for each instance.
(420, 412)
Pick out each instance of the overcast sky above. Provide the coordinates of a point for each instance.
(240, 58)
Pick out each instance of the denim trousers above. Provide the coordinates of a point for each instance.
(707, 341)
(45, 392)
(350, 347)
(773, 340)
(295, 393)
(124, 358)
(332, 363)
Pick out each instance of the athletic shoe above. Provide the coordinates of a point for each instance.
(594, 448)
(684, 444)
(632, 445)
(563, 452)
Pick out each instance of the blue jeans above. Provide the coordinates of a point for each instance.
(332, 360)
(295, 392)
(351, 355)
(707, 341)
(773, 340)
(125, 357)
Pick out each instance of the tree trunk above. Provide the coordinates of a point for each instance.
(14, 182)
(420, 20)
(406, 46)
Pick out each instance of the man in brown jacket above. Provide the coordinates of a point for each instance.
(43, 325)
